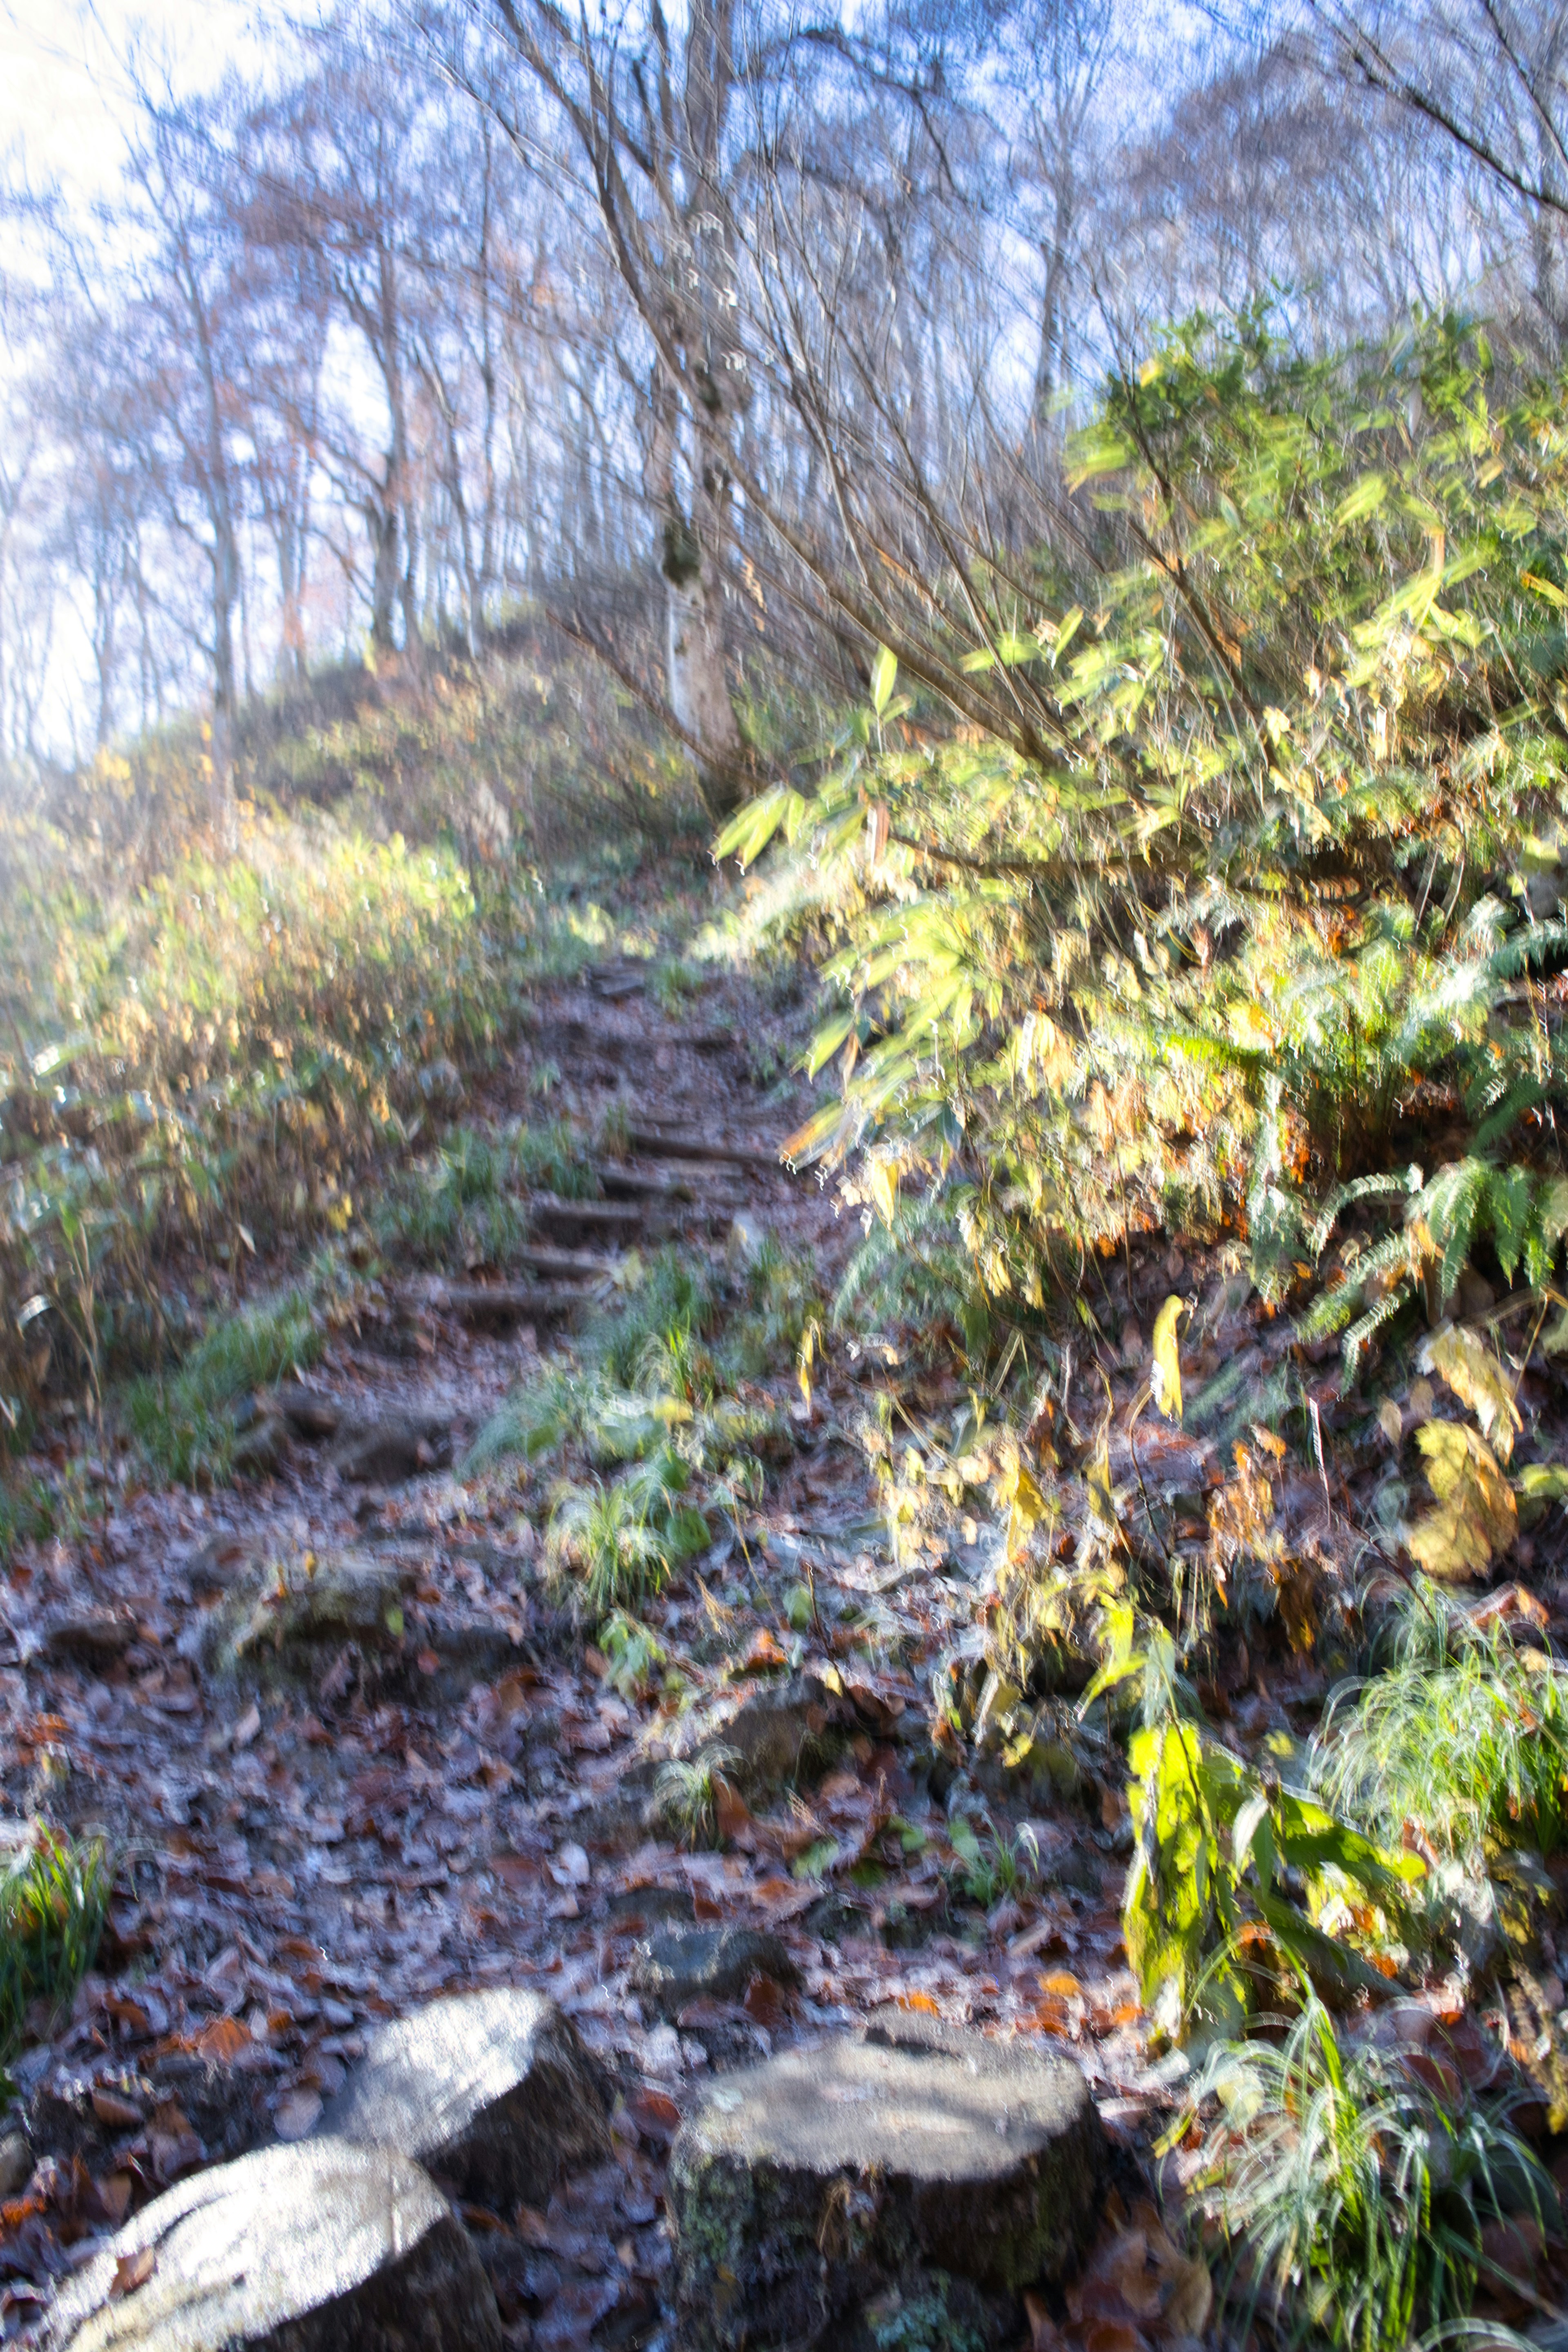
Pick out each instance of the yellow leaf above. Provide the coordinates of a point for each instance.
(1166, 1377)
(1391, 1421)
(1097, 1482)
(882, 1177)
(1478, 1380)
(1476, 1516)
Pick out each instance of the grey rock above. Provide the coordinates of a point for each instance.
(261, 1449)
(282, 1620)
(639, 1908)
(684, 1964)
(787, 1732)
(93, 1639)
(802, 2189)
(493, 2091)
(398, 1445)
(322, 2247)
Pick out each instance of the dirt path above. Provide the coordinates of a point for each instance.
(463, 1802)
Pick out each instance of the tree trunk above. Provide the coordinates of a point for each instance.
(226, 593)
(381, 525)
(698, 691)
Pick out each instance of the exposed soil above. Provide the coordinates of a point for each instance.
(445, 1806)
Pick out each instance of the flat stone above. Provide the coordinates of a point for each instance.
(786, 1733)
(282, 1620)
(679, 1965)
(493, 2091)
(384, 1452)
(321, 2247)
(94, 1639)
(803, 2188)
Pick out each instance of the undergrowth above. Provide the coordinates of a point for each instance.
(662, 1406)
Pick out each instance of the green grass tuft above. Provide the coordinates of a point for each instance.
(1465, 1737)
(53, 1899)
(181, 1423)
(686, 1796)
(1355, 2197)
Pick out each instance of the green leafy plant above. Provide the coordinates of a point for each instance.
(1353, 2192)
(1229, 1862)
(636, 1656)
(686, 1795)
(53, 1898)
(627, 1538)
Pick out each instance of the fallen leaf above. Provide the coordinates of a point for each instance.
(1473, 1372)
(1062, 1983)
(656, 2118)
(246, 1729)
(133, 2270)
(731, 1813)
(121, 2114)
(1476, 1516)
(921, 2002)
(764, 2002)
(221, 2042)
(114, 2194)
(571, 1867)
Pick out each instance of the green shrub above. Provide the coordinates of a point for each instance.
(1256, 926)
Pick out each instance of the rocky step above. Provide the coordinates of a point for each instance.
(502, 1306)
(302, 1618)
(587, 1220)
(941, 2168)
(382, 1449)
(632, 1184)
(319, 2247)
(656, 1144)
(493, 2091)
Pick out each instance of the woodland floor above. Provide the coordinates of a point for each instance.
(296, 1868)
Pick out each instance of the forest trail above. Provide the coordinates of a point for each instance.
(421, 1778)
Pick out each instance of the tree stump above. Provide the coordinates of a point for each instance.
(319, 2247)
(802, 2188)
(493, 2091)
